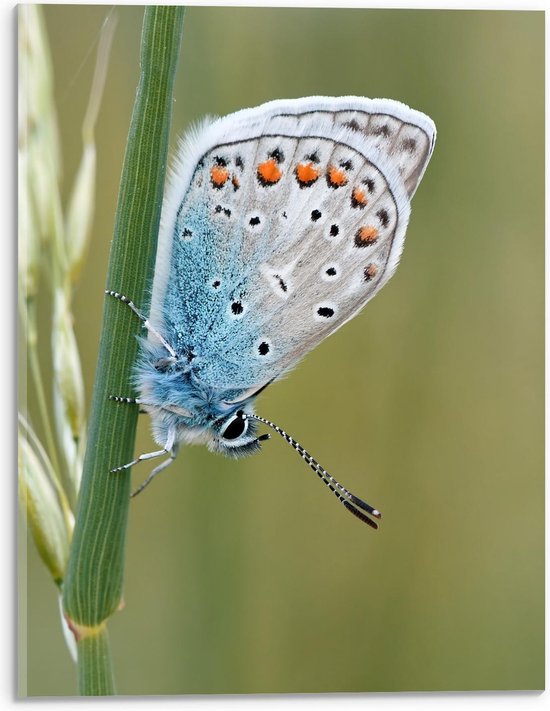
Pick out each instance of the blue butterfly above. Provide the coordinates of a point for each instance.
(279, 224)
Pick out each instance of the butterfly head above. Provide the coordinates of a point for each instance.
(235, 434)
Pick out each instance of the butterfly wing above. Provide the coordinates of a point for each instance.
(279, 225)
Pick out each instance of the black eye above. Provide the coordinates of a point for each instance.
(235, 428)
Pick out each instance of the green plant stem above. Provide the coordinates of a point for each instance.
(94, 581)
(95, 668)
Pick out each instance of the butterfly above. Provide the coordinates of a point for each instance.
(279, 224)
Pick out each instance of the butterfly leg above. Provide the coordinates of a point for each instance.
(141, 458)
(125, 400)
(146, 323)
(129, 401)
(155, 471)
(138, 401)
(167, 449)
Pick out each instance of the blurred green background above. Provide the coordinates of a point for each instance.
(248, 576)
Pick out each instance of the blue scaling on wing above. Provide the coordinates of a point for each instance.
(206, 306)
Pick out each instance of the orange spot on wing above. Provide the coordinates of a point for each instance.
(370, 271)
(268, 172)
(218, 176)
(358, 198)
(336, 177)
(307, 173)
(366, 236)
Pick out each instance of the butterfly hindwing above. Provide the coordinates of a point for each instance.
(279, 225)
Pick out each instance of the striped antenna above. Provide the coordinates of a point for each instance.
(349, 500)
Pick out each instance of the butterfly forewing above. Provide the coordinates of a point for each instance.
(291, 222)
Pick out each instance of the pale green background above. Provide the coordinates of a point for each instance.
(248, 576)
